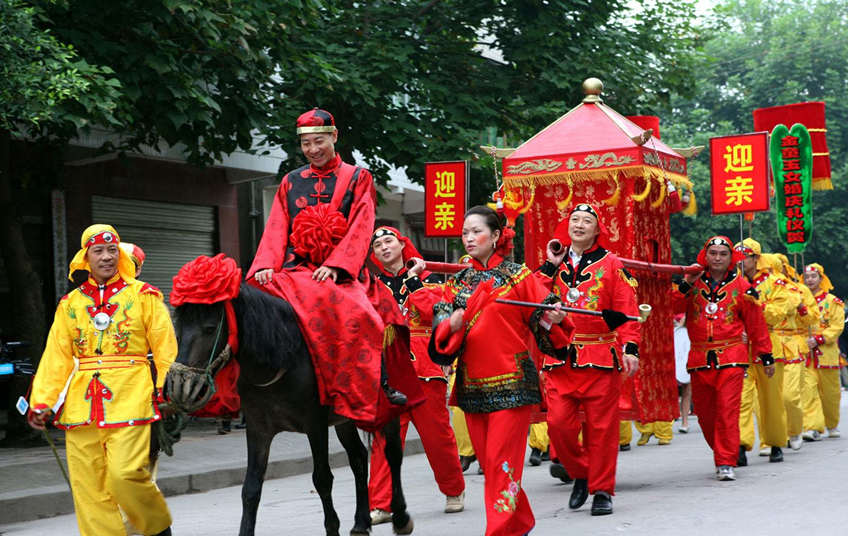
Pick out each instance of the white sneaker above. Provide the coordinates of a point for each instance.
(378, 517)
(765, 451)
(833, 433)
(811, 435)
(455, 504)
(725, 472)
(795, 442)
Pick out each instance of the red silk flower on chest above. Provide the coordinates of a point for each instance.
(316, 230)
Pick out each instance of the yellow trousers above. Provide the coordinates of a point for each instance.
(109, 467)
(625, 432)
(460, 428)
(820, 397)
(538, 438)
(792, 393)
(661, 429)
(771, 416)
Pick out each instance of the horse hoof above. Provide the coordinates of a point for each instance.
(406, 529)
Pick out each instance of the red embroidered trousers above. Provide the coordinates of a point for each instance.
(500, 441)
(597, 392)
(716, 395)
(432, 421)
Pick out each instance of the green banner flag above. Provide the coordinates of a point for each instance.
(791, 154)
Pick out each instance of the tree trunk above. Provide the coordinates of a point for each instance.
(24, 283)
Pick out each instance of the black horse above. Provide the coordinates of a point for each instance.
(278, 392)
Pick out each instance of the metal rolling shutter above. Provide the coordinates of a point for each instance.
(170, 234)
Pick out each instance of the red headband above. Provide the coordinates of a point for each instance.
(106, 237)
(408, 252)
(561, 231)
(735, 255)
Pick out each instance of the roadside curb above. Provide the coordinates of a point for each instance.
(51, 501)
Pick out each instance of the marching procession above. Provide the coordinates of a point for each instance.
(558, 348)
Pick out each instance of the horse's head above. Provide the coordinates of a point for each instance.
(203, 351)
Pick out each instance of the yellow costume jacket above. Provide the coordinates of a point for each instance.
(779, 304)
(795, 329)
(830, 326)
(107, 373)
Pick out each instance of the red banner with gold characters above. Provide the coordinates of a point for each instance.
(445, 197)
(739, 173)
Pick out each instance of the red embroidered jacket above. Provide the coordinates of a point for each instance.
(716, 331)
(416, 298)
(603, 283)
(495, 370)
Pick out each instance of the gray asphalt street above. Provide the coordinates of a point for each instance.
(661, 490)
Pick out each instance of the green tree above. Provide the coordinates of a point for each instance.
(46, 89)
(761, 54)
(409, 83)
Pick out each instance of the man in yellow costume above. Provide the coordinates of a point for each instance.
(821, 376)
(792, 333)
(98, 347)
(777, 303)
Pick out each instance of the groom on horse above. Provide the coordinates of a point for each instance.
(312, 255)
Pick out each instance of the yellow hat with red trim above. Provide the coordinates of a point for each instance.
(825, 285)
(100, 233)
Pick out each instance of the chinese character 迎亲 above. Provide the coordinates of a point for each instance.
(445, 184)
(444, 216)
(738, 190)
(738, 158)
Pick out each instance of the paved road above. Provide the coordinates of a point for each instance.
(661, 490)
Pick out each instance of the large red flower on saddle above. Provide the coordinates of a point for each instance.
(206, 280)
(315, 232)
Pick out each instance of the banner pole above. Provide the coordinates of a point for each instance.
(741, 228)
(446, 250)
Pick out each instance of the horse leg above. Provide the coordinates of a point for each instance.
(401, 521)
(258, 448)
(357, 456)
(322, 477)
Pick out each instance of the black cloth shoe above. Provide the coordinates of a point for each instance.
(166, 532)
(579, 494)
(466, 461)
(558, 471)
(776, 455)
(742, 460)
(601, 504)
(624, 448)
(546, 456)
(535, 457)
(395, 397)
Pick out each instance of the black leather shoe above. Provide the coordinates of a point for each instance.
(558, 471)
(624, 448)
(166, 532)
(535, 457)
(579, 494)
(395, 397)
(601, 504)
(776, 455)
(466, 461)
(742, 460)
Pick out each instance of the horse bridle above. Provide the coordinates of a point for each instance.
(215, 362)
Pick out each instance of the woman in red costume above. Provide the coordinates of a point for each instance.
(497, 381)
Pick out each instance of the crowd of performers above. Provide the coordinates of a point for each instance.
(763, 342)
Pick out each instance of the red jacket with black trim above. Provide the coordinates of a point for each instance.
(602, 283)
(416, 297)
(718, 330)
